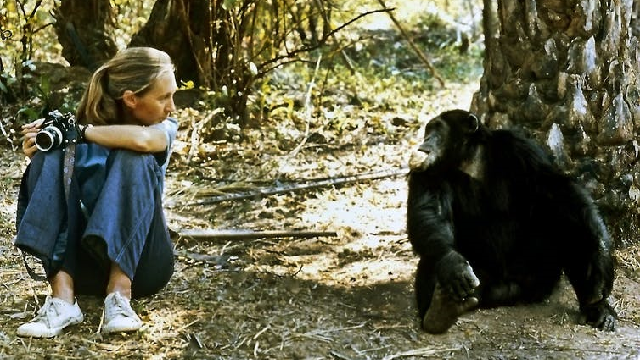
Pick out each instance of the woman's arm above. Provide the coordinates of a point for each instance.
(130, 137)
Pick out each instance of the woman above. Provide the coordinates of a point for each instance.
(106, 234)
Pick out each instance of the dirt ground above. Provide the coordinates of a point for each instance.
(335, 297)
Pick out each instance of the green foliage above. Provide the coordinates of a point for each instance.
(22, 23)
(129, 16)
(255, 40)
(7, 83)
(251, 39)
(41, 96)
(29, 22)
(228, 4)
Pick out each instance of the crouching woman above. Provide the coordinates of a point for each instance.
(92, 213)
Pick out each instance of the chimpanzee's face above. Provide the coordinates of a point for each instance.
(446, 141)
(433, 148)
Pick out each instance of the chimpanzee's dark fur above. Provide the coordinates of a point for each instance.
(491, 205)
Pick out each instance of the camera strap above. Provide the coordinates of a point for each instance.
(68, 167)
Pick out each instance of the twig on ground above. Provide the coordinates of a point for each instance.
(339, 356)
(258, 193)
(217, 260)
(243, 234)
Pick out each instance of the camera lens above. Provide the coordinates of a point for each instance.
(48, 138)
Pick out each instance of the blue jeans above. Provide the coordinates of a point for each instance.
(123, 222)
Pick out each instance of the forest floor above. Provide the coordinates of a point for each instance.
(345, 294)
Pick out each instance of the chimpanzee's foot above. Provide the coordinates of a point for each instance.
(600, 315)
(444, 311)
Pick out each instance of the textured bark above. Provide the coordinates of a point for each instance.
(568, 71)
(182, 29)
(84, 29)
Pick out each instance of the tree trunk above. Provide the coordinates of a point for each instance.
(84, 29)
(568, 71)
(182, 29)
(210, 56)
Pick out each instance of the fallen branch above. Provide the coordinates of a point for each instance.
(242, 234)
(221, 261)
(256, 194)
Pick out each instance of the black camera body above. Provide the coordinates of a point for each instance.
(57, 129)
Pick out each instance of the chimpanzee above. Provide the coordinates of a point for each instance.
(496, 222)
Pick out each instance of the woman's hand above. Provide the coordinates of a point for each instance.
(29, 141)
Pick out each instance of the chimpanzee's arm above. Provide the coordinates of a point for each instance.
(429, 220)
(431, 232)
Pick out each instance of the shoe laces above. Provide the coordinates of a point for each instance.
(49, 311)
(119, 305)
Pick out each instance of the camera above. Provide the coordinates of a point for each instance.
(56, 130)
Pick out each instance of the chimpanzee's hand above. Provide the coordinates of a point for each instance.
(456, 276)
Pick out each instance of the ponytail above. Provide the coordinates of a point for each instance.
(97, 106)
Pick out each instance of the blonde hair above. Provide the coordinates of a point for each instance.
(135, 69)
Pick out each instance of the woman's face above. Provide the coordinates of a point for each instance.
(155, 104)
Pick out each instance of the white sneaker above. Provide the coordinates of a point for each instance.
(118, 315)
(55, 315)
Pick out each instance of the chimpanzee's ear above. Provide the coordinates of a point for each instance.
(472, 123)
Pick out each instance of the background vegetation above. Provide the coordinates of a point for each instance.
(328, 43)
